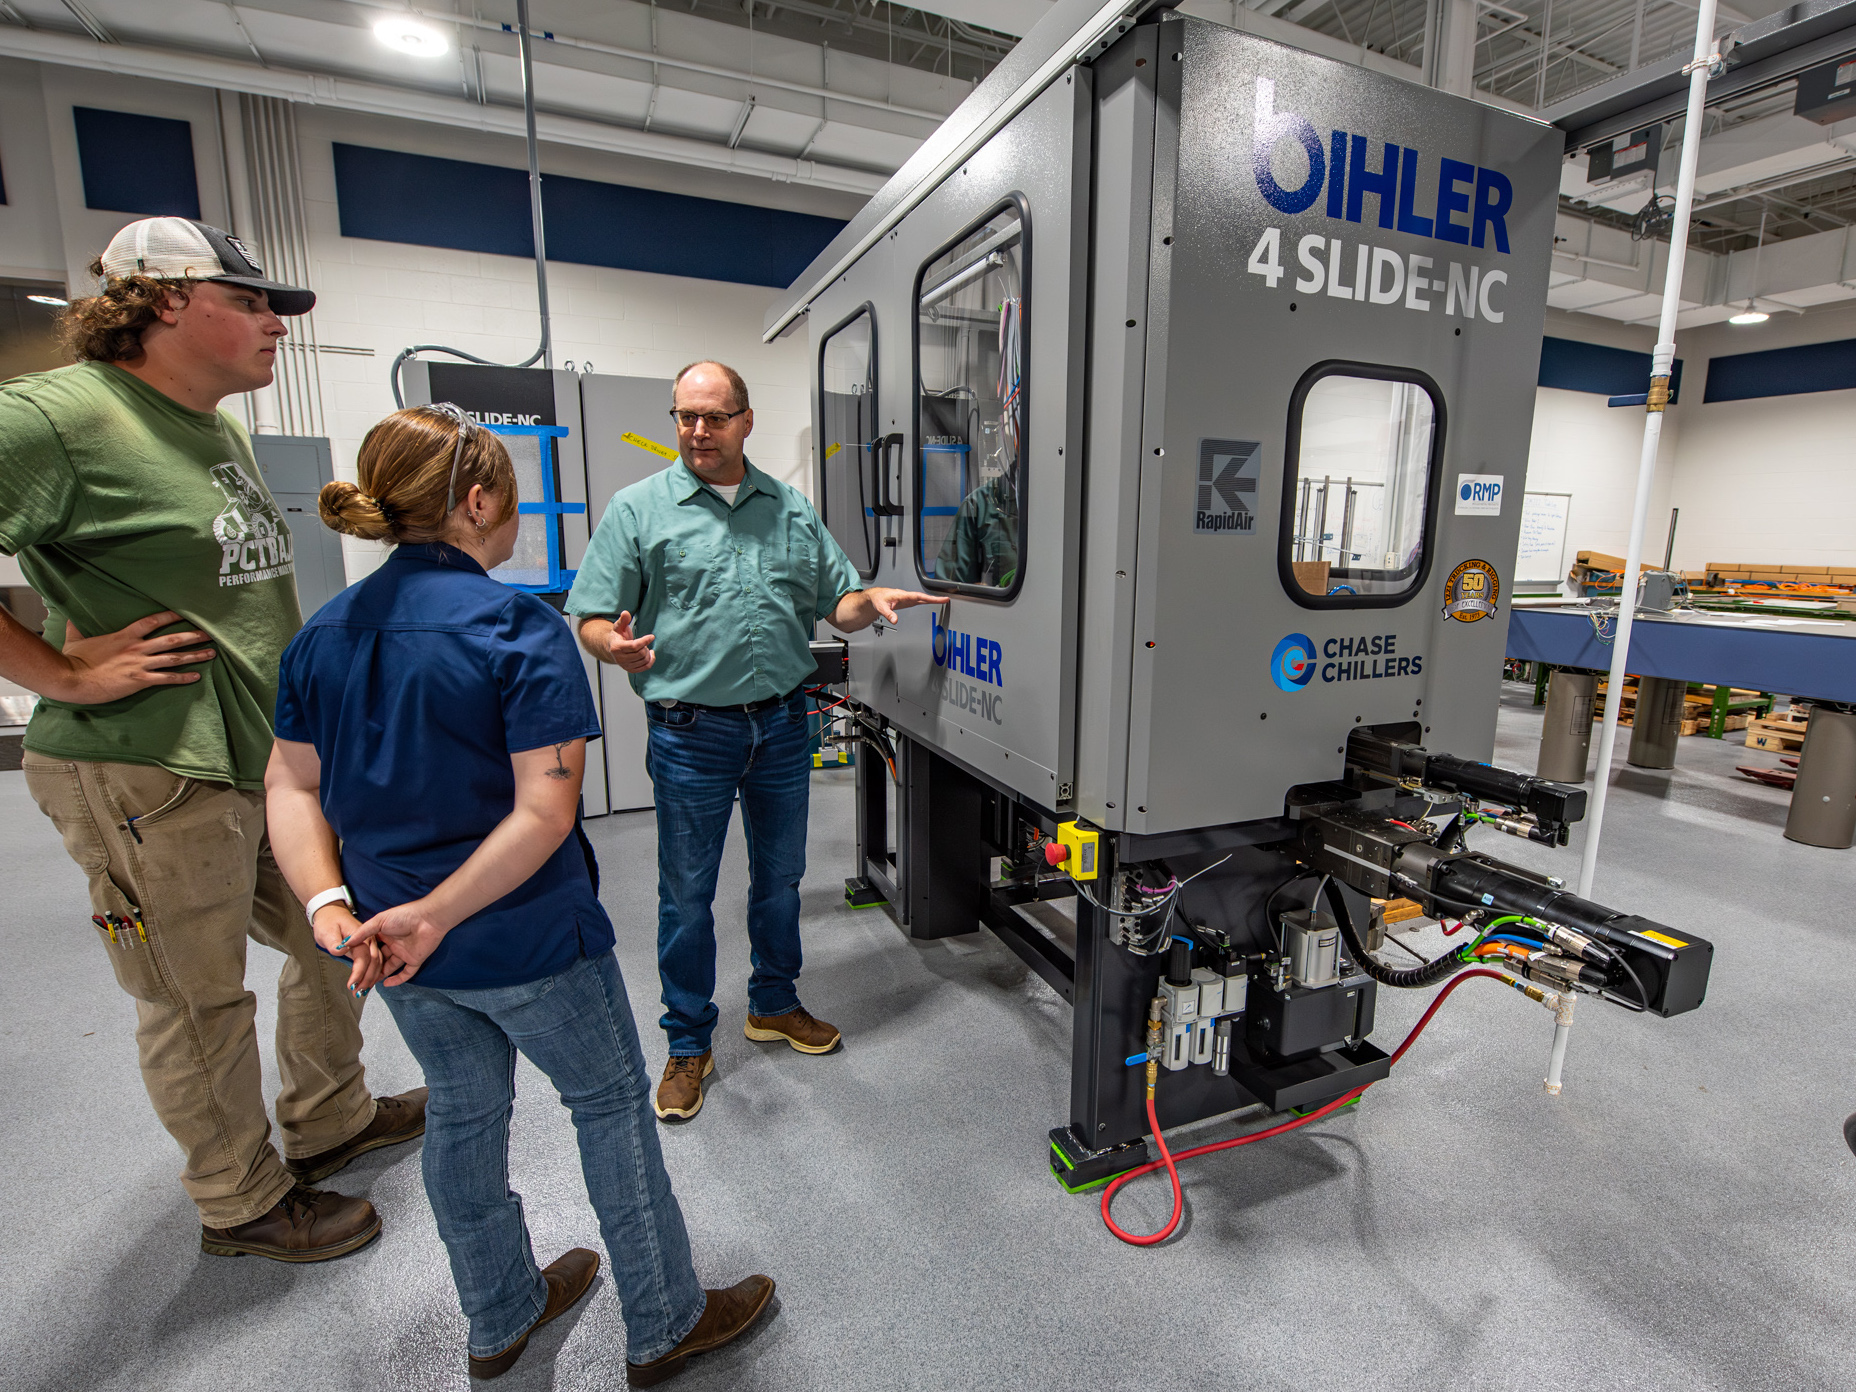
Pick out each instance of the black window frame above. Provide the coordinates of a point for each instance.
(1017, 204)
(1291, 461)
(877, 461)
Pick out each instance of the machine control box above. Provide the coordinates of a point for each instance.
(1300, 1020)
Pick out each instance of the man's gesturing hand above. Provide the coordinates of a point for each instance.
(633, 654)
(861, 608)
(887, 601)
(114, 665)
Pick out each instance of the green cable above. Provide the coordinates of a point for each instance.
(1467, 953)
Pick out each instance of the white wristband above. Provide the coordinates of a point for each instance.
(339, 894)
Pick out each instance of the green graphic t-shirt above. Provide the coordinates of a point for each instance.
(120, 502)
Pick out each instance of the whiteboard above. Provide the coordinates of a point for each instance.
(1542, 555)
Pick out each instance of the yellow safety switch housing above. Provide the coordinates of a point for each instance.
(1082, 843)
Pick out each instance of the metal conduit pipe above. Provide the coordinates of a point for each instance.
(544, 351)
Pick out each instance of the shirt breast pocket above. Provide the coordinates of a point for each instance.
(793, 567)
(690, 577)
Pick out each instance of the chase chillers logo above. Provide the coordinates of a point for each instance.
(969, 656)
(1292, 665)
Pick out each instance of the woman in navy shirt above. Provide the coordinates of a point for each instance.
(423, 801)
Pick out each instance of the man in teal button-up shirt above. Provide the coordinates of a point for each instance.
(704, 582)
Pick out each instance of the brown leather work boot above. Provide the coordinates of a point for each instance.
(729, 1314)
(568, 1277)
(396, 1119)
(680, 1093)
(796, 1027)
(305, 1225)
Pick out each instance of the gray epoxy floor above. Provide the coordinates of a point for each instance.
(1680, 1218)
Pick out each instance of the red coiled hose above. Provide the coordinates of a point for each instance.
(1169, 1161)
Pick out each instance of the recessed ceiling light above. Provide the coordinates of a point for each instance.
(410, 36)
(52, 300)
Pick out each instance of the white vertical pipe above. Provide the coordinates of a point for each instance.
(1660, 365)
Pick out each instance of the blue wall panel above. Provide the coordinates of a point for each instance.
(1811, 367)
(1590, 367)
(136, 164)
(418, 199)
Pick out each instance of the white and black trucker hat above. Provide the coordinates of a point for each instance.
(177, 248)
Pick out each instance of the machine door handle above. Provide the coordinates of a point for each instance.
(887, 506)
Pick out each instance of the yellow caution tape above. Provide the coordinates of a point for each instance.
(663, 451)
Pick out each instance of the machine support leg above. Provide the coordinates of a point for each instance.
(875, 880)
(1657, 724)
(1566, 733)
(1823, 811)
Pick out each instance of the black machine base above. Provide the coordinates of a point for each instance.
(1311, 1081)
(1077, 1167)
(859, 893)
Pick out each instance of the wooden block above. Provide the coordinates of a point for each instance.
(1598, 560)
(1757, 738)
(1312, 576)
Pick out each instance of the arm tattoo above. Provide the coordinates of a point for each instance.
(560, 770)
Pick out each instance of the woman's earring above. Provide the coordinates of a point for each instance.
(480, 520)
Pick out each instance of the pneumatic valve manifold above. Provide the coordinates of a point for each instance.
(1197, 1009)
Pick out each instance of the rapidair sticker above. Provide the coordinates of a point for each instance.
(1226, 499)
(1471, 591)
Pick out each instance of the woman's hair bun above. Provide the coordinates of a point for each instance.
(347, 509)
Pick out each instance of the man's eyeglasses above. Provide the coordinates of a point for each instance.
(715, 420)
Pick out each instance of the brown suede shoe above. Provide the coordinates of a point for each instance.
(568, 1277)
(396, 1119)
(305, 1225)
(680, 1094)
(796, 1027)
(729, 1314)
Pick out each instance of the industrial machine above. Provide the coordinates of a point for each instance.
(1197, 372)
(575, 439)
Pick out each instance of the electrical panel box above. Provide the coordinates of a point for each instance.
(1827, 95)
(1625, 155)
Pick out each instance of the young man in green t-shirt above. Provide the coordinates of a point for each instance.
(139, 516)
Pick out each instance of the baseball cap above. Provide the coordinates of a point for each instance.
(177, 248)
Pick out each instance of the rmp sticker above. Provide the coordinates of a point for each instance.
(1478, 495)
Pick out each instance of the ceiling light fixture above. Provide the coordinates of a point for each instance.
(51, 300)
(1752, 314)
(410, 36)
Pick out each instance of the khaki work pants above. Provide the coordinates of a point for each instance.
(190, 859)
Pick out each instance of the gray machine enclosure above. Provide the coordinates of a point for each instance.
(1136, 685)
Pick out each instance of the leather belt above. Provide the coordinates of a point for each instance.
(746, 708)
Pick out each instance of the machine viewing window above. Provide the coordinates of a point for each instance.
(1358, 505)
(970, 411)
(849, 451)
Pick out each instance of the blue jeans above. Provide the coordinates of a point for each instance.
(699, 760)
(576, 1027)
